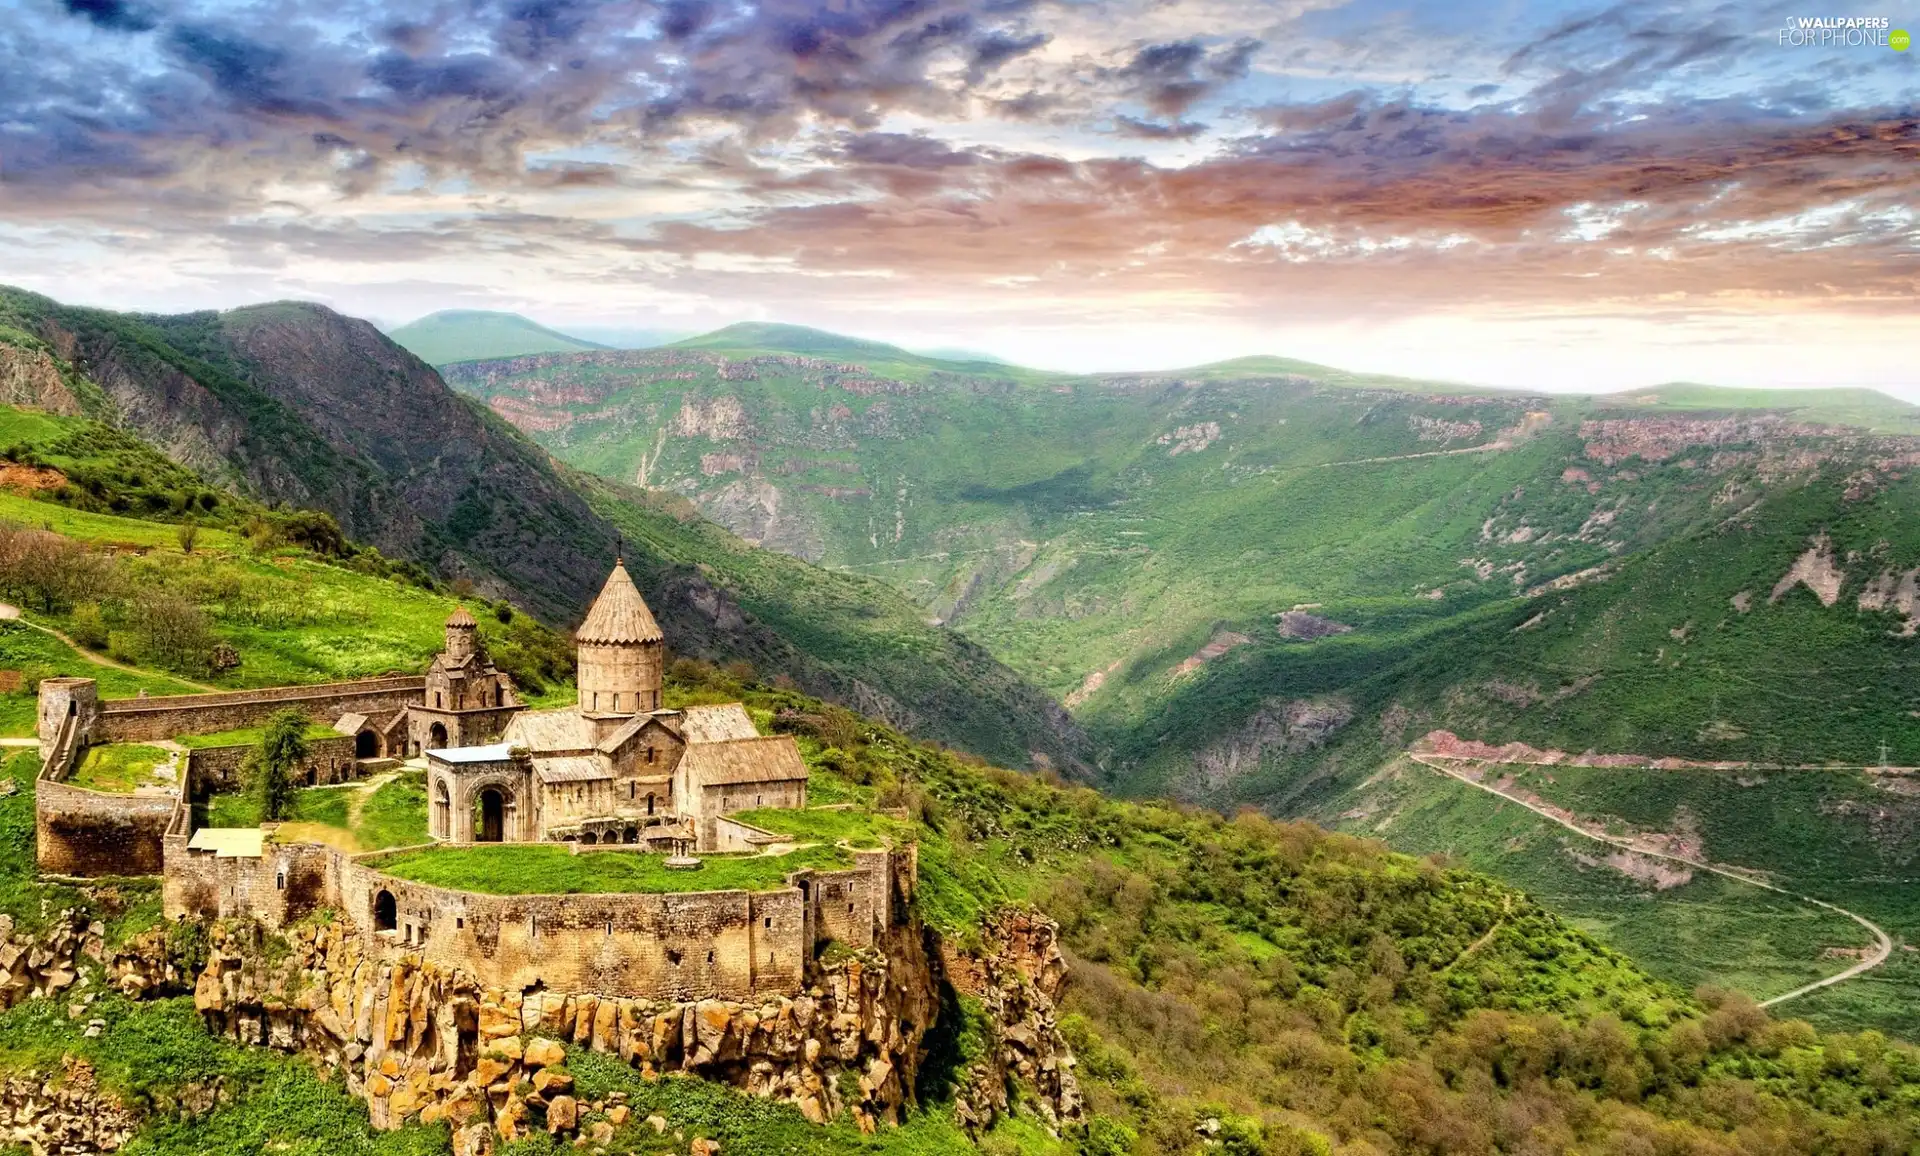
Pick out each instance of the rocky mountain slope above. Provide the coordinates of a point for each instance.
(1221, 568)
(298, 406)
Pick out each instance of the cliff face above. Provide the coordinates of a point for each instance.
(1017, 977)
(424, 1042)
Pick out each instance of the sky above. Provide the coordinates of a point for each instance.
(1547, 195)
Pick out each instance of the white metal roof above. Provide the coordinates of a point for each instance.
(229, 842)
(494, 753)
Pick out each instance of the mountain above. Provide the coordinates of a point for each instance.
(1263, 581)
(466, 334)
(297, 406)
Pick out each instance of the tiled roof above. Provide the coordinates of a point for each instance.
(570, 769)
(714, 724)
(772, 759)
(549, 730)
(619, 614)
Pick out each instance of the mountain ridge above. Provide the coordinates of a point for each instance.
(295, 404)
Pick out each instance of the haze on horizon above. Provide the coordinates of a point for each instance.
(1547, 195)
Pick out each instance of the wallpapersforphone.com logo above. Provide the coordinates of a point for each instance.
(1843, 32)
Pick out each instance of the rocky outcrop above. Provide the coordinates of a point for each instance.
(1016, 975)
(1279, 727)
(425, 1042)
(31, 377)
(49, 963)
(67, 1114)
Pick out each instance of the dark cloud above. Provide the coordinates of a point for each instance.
(115, 14)
(1137, 129)
(1172, 77)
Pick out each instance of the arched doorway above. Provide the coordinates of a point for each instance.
(492, 825)
(437, 736)
(589, 838)
(386, 913)
(366, 745)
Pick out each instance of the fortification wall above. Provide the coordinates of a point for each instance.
(329, 760)
(699, 945)
(685, 946)
(146, 719)
(287, 882)
(83, 832)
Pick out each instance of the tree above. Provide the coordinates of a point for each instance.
(270, 765)
(188, 533)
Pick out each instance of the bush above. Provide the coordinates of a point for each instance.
(90, 626)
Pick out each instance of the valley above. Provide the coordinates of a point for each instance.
(1261, 582)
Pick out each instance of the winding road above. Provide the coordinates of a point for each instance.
(1883, 942)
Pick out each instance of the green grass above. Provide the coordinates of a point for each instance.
(37, 655)
(94, 527)
(394, 814)
(550, 869)
(856, 826)
(122, 767)
(247, 737)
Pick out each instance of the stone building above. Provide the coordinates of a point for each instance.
(614, 767)
(466, 700)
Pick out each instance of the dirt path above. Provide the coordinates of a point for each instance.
(1884, 942)
(1488, 448)
(12, 614)
(1506, 909)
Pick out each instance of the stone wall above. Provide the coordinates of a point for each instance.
(83, 832)
(689, 945)
(169, 716)
(725, 944)
(215, 769)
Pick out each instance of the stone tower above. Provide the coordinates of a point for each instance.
(622, 656)
(462, 635)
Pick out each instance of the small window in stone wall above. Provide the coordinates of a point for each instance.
(769, 921)
(709, 957)
(673, 957)
(280, 881)
(460, 921)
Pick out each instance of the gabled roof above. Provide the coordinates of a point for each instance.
(549, 730)
(570, 769)
(772, 759)
(619, 615)
(715, 724)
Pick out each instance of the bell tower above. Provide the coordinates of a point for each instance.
(622, 655)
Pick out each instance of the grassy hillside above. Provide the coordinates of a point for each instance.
(284, 406)
(1307, 992)
(467, 334)
(1257, 582)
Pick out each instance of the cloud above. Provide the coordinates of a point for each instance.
(1202, 160)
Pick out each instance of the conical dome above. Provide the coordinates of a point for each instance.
(619, 615)
(460, 617)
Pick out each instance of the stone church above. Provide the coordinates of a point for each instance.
(612, 768)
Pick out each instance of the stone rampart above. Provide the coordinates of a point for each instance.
(679, 945)
(216, 769)
(146, 719)
(83, 832)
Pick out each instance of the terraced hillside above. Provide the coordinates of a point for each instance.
(263, 411)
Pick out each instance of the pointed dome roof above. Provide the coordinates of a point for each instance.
(619, 614)
(460, 617)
